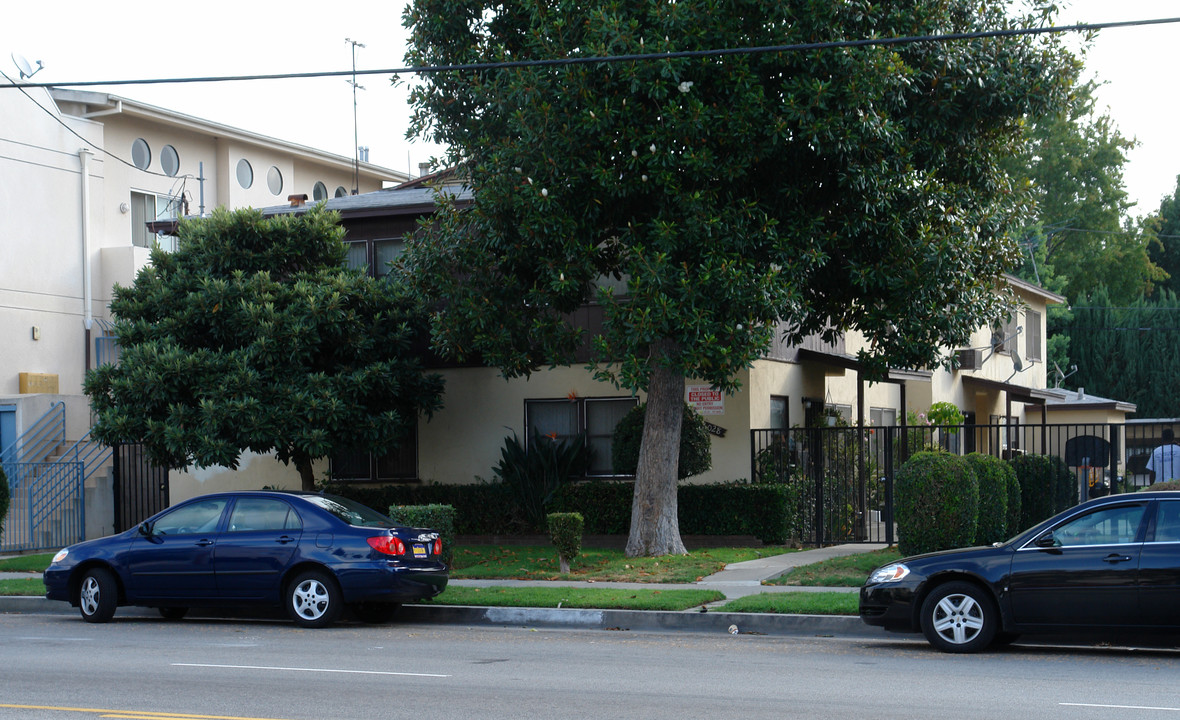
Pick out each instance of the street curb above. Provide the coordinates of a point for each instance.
(613, 620)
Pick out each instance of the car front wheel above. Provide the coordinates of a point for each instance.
(959, 617)
(313, 599)
(98, 595)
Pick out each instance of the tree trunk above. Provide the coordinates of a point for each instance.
(303, 464)
(655, 527)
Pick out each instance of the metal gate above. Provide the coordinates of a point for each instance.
(46, 509)
(141, 488)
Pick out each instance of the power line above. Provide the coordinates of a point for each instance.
(720, 52)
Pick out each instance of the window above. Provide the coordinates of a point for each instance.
(146, 207)
(1032, 326)
(245, 173)
(254, 514)
(319, 192)
(169, 160)
(141, 154)
(780, 415)
(1167, 522)
(341, 192)
(1109, 526)
(372, 257)
(566, 419)
(398, 465)
(198, 517)
(274, 180)
(882, 417)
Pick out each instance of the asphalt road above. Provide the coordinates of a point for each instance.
(55, 666)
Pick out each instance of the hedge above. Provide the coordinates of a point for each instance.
(1046, 487)
(937, 503)
(736, 508)
(435, 517)
(993, 475)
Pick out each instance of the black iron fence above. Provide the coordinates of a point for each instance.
(840, 479)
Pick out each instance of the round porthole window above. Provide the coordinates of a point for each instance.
(169, 160)
(141, 154)
(319, 192)
(274, 180)
(245, 173)
(341, 192)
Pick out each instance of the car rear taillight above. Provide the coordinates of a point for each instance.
(387, 545)
(438, 546)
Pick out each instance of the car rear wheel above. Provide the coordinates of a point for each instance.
(98, 595)
(375, 613)
(313, 599)
(959, 617)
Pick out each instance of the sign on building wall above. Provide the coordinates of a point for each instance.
(705, 400)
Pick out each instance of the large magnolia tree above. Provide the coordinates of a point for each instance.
(826, 189)
(254, 336)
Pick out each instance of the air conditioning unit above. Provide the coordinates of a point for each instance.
(970, 359)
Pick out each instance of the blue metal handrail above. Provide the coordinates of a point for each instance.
(93, 455)
(38, 441)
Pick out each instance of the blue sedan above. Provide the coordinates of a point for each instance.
(310, 554)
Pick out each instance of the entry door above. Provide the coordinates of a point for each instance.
(1088, 574)
(7, 426)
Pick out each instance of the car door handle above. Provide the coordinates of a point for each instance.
(204, 542)
(285, 539)
(1116, 558)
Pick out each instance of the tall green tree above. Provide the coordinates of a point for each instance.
(1083, 238)
(1166, 251)
(253, 336)
(827, 190)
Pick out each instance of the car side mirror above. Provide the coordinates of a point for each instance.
(145, 529)
(1046, 541)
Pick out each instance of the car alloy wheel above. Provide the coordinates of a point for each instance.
(959, 617)
(313, 600)
(98, 595)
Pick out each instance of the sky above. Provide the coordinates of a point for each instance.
(131, 39)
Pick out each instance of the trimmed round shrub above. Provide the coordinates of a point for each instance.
(565, 530)
(1012, 485)
(1046, 487)
(696, 455)
(937, 499)
(994, 476)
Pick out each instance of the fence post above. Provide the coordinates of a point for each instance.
(887, 512)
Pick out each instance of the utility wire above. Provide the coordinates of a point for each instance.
(720, 52)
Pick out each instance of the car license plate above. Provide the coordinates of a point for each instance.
(420, 550)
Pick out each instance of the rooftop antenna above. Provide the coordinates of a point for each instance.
(356, 159)
(26, 70)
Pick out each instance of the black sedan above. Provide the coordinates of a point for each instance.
(1110, 565)
(311, 554)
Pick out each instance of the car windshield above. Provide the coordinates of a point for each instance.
(350, 511)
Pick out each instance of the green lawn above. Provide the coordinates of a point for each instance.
(848, 571)
(26, 563)
(796, 603)
(565, 597)
(540, 563)
(23, 586)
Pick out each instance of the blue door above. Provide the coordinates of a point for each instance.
(173, 559)
(7, 426)
(256, 548)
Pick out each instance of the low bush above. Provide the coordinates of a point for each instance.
(534, 474)
(565, 530)
(937, 499)
(992, 474)
(1046, 487)
(480, 508)
(696, 455)
(435, 517)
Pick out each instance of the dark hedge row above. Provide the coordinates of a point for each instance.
(491, 509)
